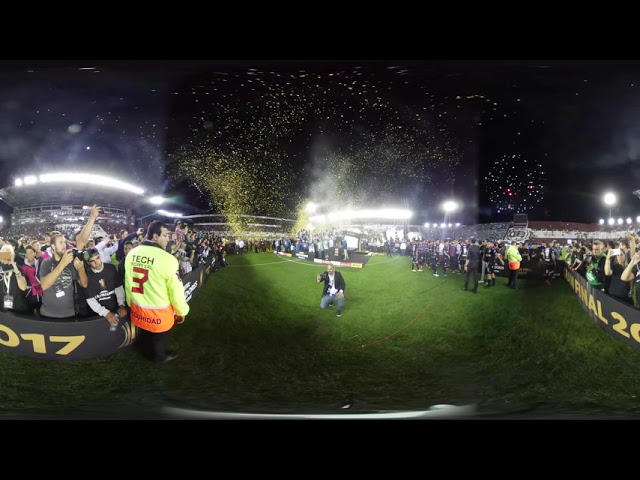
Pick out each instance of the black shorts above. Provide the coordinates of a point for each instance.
(490, 269)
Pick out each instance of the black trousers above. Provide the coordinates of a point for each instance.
(152, 345)
(472, 271)
(513, 277)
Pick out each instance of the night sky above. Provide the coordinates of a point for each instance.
(547, 138)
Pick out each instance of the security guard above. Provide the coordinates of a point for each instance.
(154, 292)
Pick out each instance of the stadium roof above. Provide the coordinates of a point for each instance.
(75, 194)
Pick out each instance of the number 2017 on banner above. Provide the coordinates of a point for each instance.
(38, 340)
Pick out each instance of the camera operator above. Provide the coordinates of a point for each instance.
(333, 291)
(58, 279)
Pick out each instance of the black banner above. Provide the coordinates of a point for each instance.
(528, 269)
(620, 320)
(83, 339)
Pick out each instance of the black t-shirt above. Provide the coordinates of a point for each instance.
(20, 302)
(617, 287)
(490, 255)
(102, 286)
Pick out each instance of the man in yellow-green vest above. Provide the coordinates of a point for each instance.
(154, 292)
(513, 259)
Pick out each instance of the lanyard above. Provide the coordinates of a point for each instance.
(7, 280)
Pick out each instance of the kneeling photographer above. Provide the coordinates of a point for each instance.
(334, 287)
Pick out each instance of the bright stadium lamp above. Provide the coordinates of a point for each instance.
(610, 199)
(611, 221)
(156, 200)
(601, 221)
(628, 220)
(620, 221)
(311, 207)
(449, 207)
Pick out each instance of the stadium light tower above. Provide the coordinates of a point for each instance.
(610, 199)
(449, 207)
(156, 200)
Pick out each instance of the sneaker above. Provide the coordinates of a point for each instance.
(169, 357)
(339, 313)
(436, 275)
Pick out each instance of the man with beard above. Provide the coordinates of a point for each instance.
(58, 280)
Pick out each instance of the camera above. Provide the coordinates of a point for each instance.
(79, 254)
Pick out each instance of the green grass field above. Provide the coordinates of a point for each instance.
(257, 341)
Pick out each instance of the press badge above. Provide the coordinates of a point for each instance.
(8, 301)
(60, 293)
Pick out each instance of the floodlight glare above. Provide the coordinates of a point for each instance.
(449, 206)
(89, 179)
(156, 200)
(609, 198)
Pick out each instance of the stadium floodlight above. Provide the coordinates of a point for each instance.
(311, 207)
(386, 213)
(628, 220)
(427, 225)
(1, 219)
(449, 206)
(601, 221)
(18, 182)
(168, 214)
(30, 180)
(90, 179)
(610, 199)
(611, 221)
(442, 225)
(156, 200)
(457, 224)
(620, 221)
(638, 219)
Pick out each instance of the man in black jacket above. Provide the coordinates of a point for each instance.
(334, 287)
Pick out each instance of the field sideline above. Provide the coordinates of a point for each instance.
(257, 341)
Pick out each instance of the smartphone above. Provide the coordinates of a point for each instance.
(615, 251)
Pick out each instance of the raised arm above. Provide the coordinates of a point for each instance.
(83, 237)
